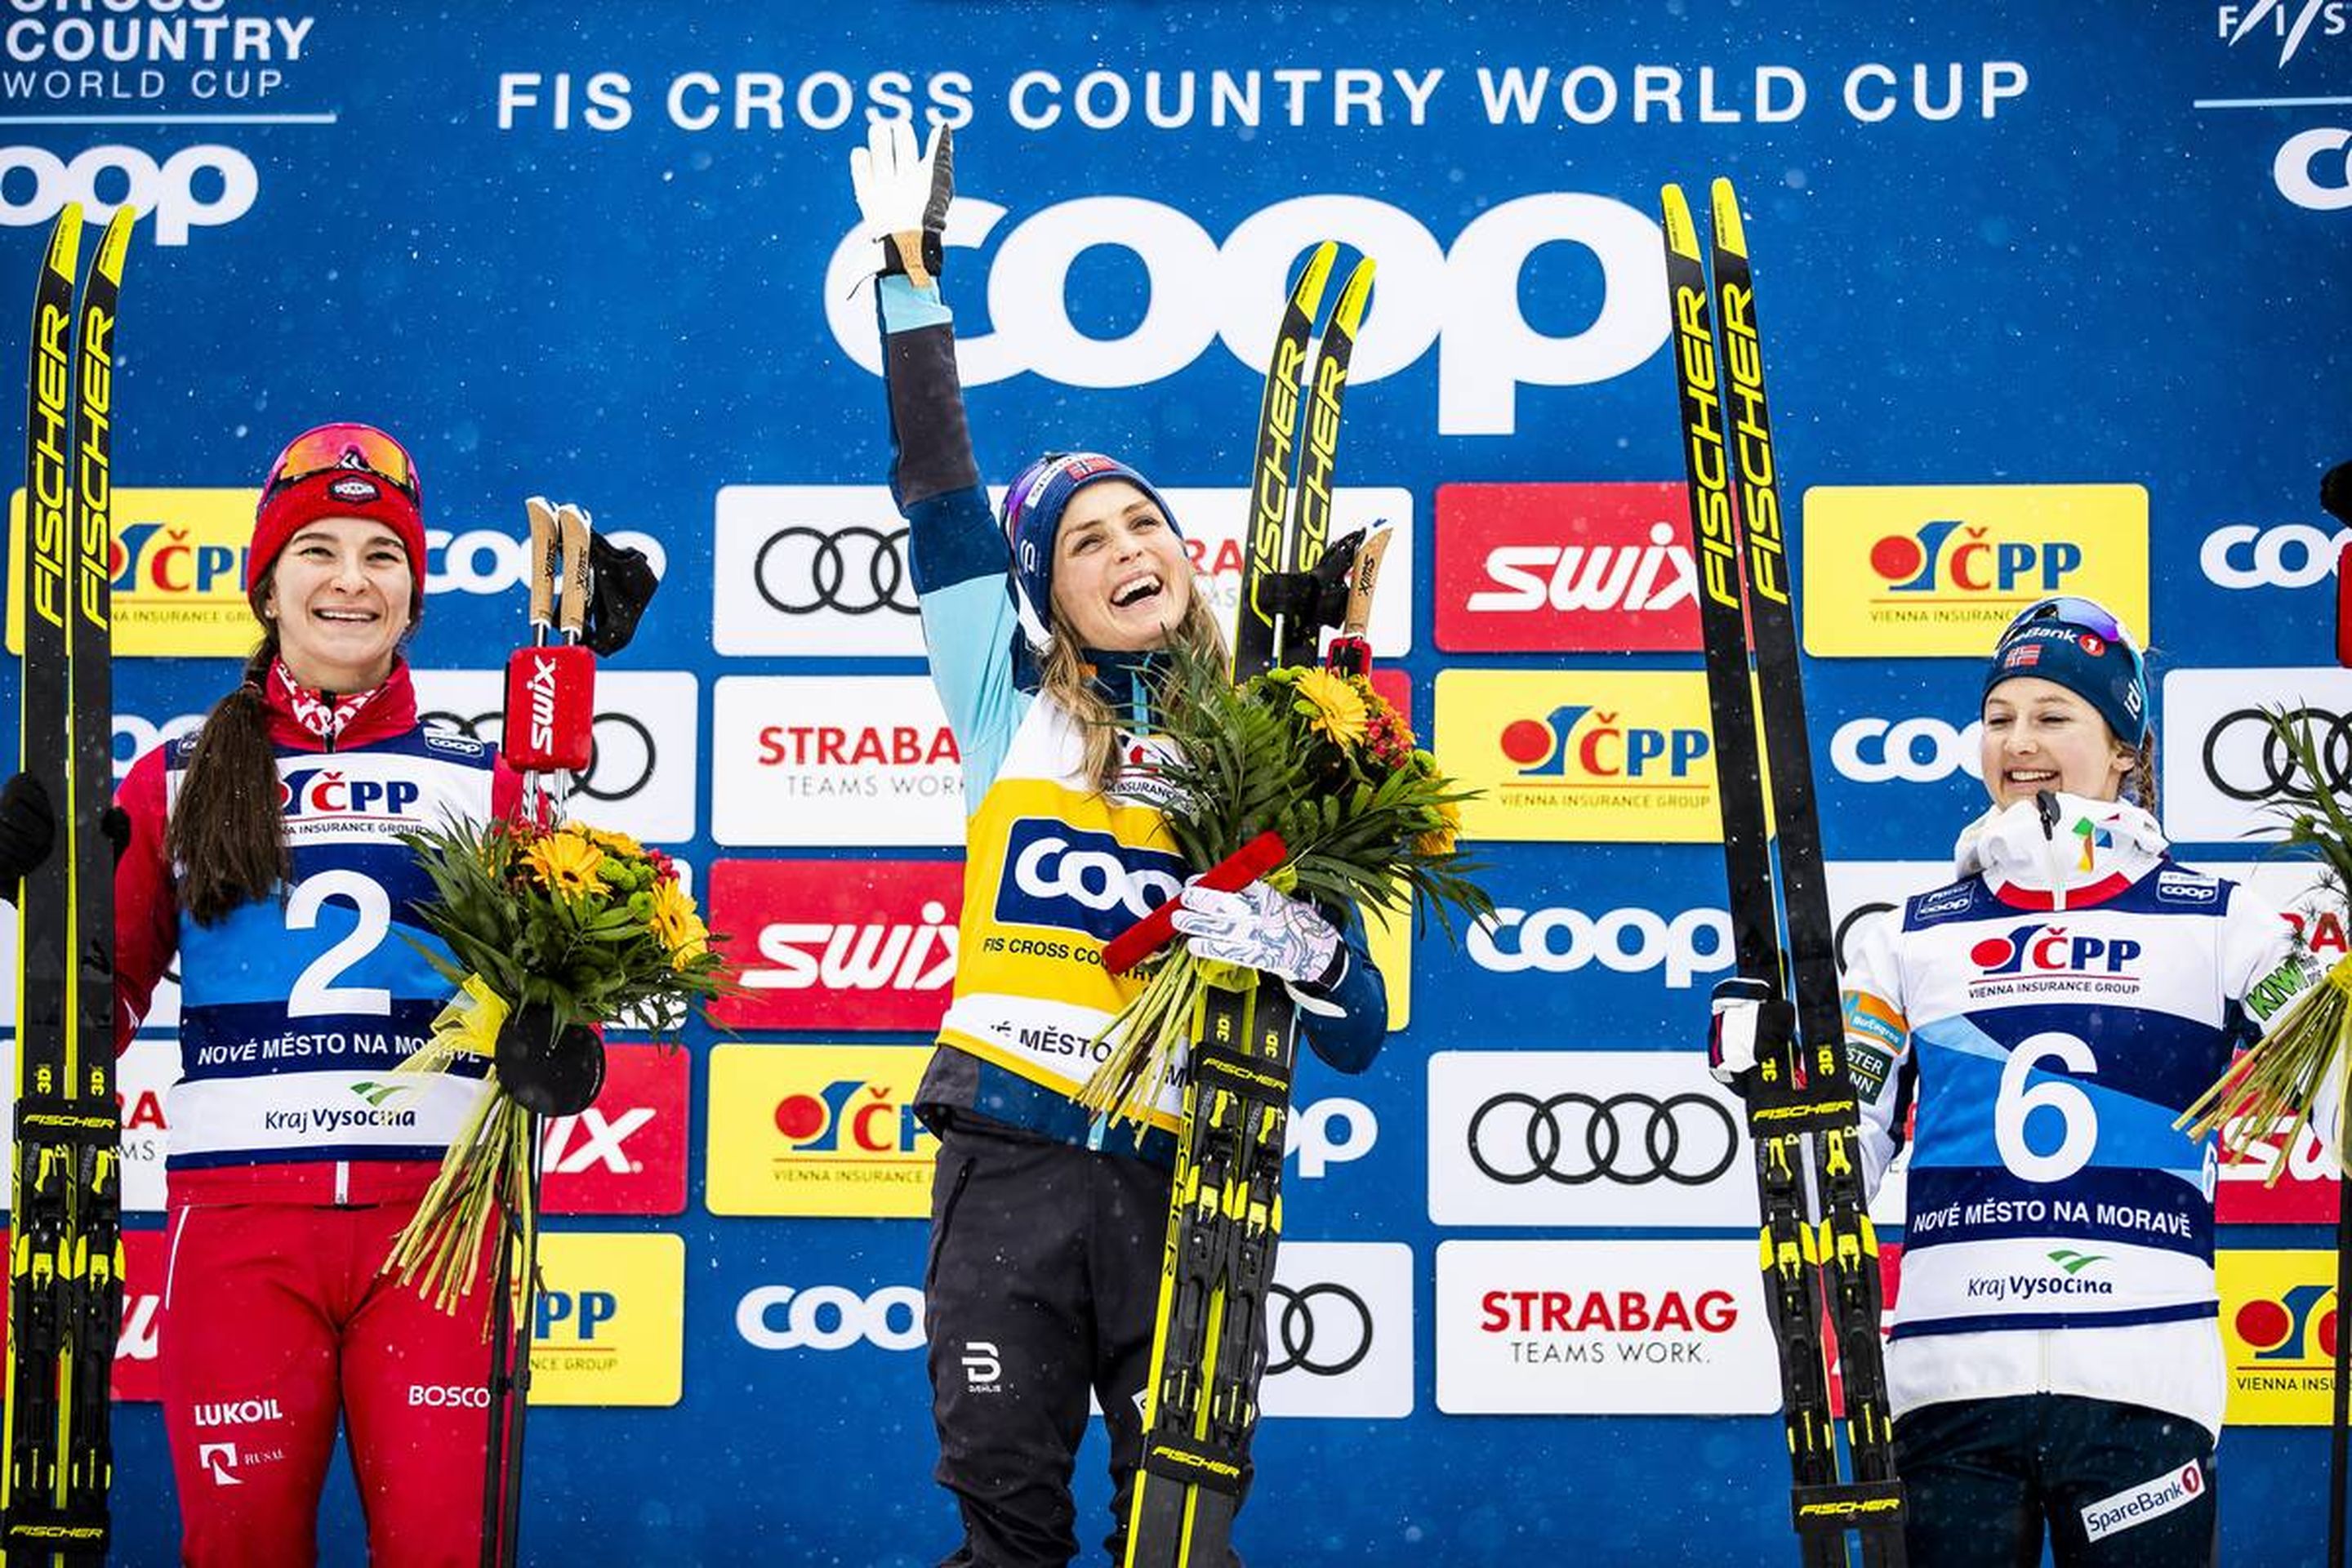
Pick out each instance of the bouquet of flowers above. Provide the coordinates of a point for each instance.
(589, 926)
(2280, 1077)
(1322, 759)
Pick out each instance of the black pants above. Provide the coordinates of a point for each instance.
(2117, 1486)
(1042, 1284)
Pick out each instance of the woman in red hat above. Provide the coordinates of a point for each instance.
(261, 853)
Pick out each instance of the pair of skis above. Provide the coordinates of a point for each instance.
(64, 1260)
(1224, 1221)
(1802, 1108)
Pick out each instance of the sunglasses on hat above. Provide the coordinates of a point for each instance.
(334, 446)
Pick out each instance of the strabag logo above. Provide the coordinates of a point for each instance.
(1580, 754)
(818, 760)
(1586, 1137)
(818, 1130)
(1939, 570)
(626, 1152)
(1069, 878)
(1603, 1327)
(838, 944)
(1597, 568)
(1462, 298)
(2279, 1321)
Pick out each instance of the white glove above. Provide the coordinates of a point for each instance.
(1258, 927)
(1745, 1020)
(904, 198)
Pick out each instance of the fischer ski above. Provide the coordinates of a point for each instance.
(1224, 1221)
(1802, 1108)
(64, 1274)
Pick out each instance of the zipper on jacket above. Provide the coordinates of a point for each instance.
(343, 1184)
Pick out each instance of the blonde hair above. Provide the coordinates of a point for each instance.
(1066, 679)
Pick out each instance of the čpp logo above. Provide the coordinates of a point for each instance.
(150, 558)
(2049, 949)
(1463, 298)
(1077, 880)
(328, 792)
(2292, 1326)
(196, 188)
(1950, 555)
(848, 1115)
(1589, 741)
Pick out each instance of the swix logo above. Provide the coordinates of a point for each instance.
(168, 191)
(2289, 21)
(1068, 877)
(2036, 948)
(842, 746)
(238, 1412)
(1950, 555)
(1199, 292)
(848, 1114)
(626, 1152)
(589, 1142)
(2300, 1324)
(329, 792)
(840, 945)
(2283, 1176)
(152, 558)
(1568, 568)
(1607, 1311)
(541, 684)
(872, 955)
(1582, 742)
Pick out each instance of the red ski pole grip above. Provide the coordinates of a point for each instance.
(1158, 929)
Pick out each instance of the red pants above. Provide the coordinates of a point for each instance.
(274, 1320)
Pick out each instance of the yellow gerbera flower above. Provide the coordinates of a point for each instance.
(564, 862)
(677, 923)
(1338, 708)
(1436, 842)
(616, 844)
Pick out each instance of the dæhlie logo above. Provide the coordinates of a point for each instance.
(1583, 741)
(2291, 1326)
(2048, 949)
(848, 1115)
(1950, 555)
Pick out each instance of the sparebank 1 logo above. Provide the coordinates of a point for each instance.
(1949, 555)
(1463, 297)
(1583, 741)
(195, 187)
(2297, 1326)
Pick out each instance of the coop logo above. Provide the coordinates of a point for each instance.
(1074, 880)
(2290, 22)
(1592, 743)
(1951, 555)
(848, 1115)
(1199, 292)
(2053, 951)
(1905, 750)
(332, 793)
(2288, 556)
(484, 561)
(830, 1318)
(2314, 169)
(129, 175)
(1630, 941)
(2296, 1327)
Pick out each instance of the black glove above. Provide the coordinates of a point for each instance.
(29, 831)
(553, 1072)
(621, 584)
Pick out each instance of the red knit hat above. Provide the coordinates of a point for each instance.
(338, 470)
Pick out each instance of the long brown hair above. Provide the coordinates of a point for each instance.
(1066, 678)
(226, 834)
(2140, 784)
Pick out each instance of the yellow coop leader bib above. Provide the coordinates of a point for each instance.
(1053, 870)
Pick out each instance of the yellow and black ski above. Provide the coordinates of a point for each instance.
(1802, 1108)
(1224, 1219)
(65, 1266)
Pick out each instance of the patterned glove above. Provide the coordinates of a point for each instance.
(905, 198)
(1746, 1020)
(1258, 929)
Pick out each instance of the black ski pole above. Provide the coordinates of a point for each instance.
(525, 1329)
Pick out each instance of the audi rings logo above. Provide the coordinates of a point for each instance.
(1573, 1138)
(1324, 1329)
(854, 569)
(2246, 760)
(621, 751)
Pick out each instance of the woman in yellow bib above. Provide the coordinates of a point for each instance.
(1048, 631)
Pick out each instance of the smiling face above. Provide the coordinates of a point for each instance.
(339, 593)
(1121, 580)
(2039, 735)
